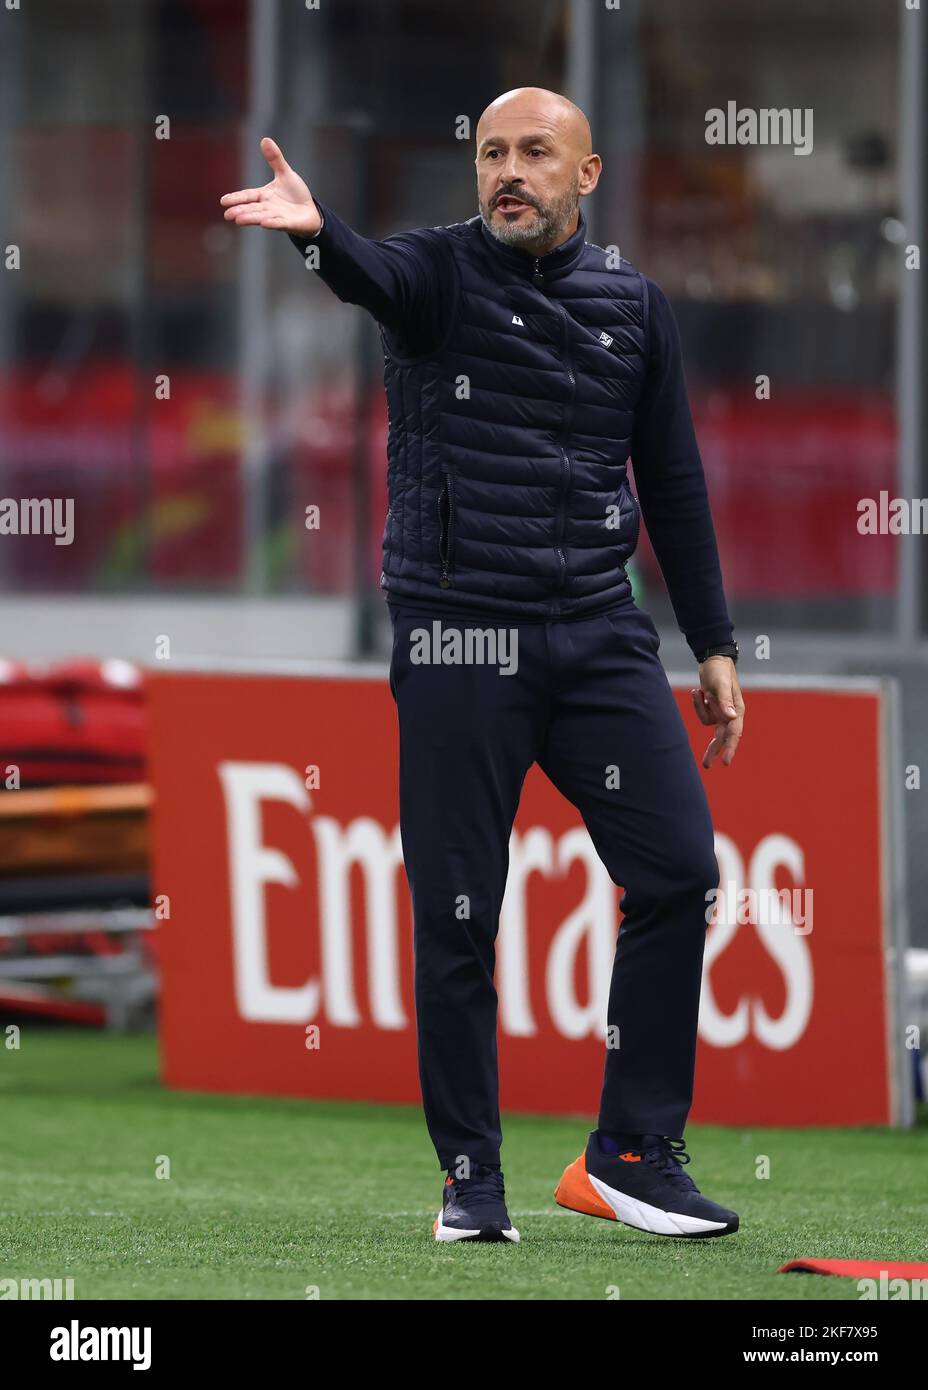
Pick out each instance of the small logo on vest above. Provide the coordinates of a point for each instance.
(516, 319)
(605, 340)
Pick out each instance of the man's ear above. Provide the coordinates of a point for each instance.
(590, 171)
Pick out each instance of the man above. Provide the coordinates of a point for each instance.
(523, 366)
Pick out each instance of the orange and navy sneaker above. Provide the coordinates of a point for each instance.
(642, 1184)
(474, 1208)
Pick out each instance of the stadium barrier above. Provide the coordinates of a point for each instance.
(283, 912)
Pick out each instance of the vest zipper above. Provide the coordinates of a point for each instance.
(565, 456)
(538, 280)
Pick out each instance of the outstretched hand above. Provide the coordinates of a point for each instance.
(284, 204)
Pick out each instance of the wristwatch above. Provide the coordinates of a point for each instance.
(724, 649)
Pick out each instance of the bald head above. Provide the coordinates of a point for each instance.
(534, 163)
(537, 107)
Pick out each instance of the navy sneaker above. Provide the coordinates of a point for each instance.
(642, 1186)
(474, 1208)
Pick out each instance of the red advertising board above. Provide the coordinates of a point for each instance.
(287, 958)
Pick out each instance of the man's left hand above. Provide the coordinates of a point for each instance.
(718, 701)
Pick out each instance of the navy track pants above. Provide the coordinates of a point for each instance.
(585, 695)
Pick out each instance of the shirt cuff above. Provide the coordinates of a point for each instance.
(717, 636)
(301, 242)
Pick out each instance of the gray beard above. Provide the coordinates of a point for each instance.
(544, 231)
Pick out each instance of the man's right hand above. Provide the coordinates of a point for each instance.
(285, 203)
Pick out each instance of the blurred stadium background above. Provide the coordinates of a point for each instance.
(190, 510)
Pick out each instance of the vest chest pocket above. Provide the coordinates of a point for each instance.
(446, 528)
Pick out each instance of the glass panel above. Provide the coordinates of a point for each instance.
(779, 264)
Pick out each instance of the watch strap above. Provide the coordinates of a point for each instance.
(723, 649)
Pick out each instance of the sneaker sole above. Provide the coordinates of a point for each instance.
(580, 1191)
(447, 1234)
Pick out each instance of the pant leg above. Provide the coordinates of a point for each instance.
(468, 736)
(613, 707)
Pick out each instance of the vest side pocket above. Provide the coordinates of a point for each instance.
(630, 522)
(446, 528)
(637, 531)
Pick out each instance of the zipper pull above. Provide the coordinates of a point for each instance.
(537, 277)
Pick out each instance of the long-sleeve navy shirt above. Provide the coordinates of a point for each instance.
(405, 282)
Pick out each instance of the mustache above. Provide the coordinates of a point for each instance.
(515, 193)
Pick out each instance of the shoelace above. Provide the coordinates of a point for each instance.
(483, 1185)
(666, 1156)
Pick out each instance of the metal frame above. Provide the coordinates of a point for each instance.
(895, 902)
(911, 359)
(253, 327)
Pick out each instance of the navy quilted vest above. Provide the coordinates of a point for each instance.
(508, 446)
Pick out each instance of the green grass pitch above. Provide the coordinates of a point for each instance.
(268, 1199)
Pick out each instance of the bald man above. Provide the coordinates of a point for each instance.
(524, 366)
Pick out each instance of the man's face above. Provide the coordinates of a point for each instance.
(527, 179)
